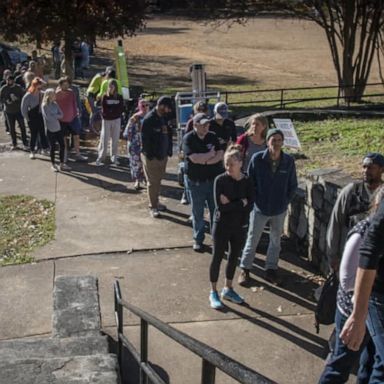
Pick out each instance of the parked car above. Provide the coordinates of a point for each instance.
(14, 53)
(5, 61)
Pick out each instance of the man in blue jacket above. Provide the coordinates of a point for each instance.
(274, 176)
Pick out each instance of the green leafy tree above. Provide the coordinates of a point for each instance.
(48, 21)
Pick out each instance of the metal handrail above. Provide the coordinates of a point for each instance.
(211, 358)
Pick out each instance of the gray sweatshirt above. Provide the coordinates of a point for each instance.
(29, 102)
(51, 115)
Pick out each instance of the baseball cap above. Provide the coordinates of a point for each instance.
(373, 158)
(274, 131)
(200, 118)
(221, 109)
(165, 100)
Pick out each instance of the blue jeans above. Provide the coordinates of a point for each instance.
(342, 360)
(375, 324)
(201, 192)
(187, 192)
(257, 222)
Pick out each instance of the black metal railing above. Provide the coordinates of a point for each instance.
(280, 98)
(211, 358)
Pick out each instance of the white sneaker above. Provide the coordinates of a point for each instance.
(99, 163)
(32, 156)
(54, 168)
(64, 167)
(80, 157)
(115, 160)
(154, 212)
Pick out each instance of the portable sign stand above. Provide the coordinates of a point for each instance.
(121, 69)
(290, 137)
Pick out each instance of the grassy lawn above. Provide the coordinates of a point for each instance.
(25, 224)
(338, 143)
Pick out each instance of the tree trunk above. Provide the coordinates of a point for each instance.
(346, 85)
(68, 57)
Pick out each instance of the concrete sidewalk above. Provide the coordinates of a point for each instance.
(104, 229)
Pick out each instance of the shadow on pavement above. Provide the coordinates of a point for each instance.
(314, 344)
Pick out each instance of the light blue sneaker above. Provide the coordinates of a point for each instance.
(231, 295)
(214, 300)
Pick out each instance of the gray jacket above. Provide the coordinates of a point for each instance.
(29, 102)
(351, 206)
(51, 115)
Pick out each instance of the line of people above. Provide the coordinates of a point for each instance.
(246, 182)
(353, 215)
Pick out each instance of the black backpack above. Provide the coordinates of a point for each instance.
(326, 306)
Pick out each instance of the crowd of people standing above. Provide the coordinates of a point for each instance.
(245, 182)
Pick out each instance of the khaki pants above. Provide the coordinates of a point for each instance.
(154, 171)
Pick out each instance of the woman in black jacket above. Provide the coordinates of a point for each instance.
(233, 193)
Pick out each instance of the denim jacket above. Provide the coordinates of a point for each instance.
(273, 191)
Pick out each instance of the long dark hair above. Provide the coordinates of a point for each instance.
(112, 82)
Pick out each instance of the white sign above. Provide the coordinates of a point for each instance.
(290, 137)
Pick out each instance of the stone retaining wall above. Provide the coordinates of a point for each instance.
(308, 215)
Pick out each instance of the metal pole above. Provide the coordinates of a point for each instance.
(143, 350)
(208, 373)
(338, 96)
(281, 98)
(119, 319)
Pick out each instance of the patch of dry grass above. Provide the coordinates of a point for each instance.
(25, 224)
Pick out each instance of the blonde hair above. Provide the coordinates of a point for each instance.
(197, 107)
(233, 151)
(256, 117)
(377, 199)
(46, 98)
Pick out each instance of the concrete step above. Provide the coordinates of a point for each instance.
(76, 310)
(53, 347)
(96, 369)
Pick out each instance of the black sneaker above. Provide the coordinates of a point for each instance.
(244, 279)
(272, 276)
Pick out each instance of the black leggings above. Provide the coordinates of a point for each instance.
(36, 126)
(222, 235)
(58, 137)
